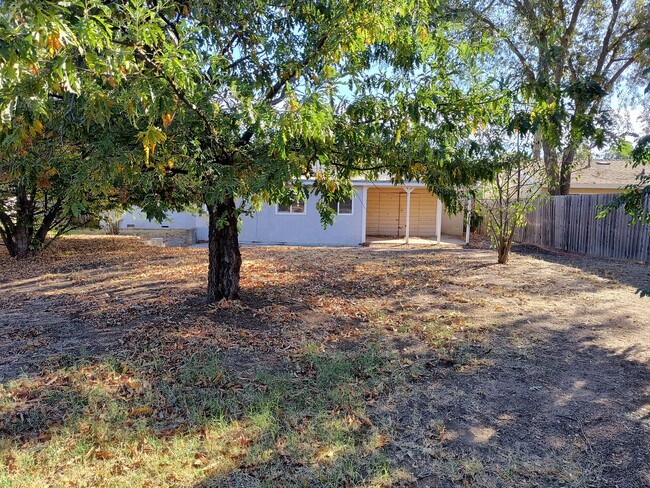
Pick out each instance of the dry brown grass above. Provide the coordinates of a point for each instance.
(366, 367)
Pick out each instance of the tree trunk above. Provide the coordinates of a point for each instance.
(26, 233)
(20, 239)
(224, 255)
(21, 243)
(552, 167)
(504, 247)
(558, 171)
(503, 253)
(565, 170)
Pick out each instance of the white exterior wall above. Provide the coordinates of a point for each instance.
(269, 227)
(174, 220)
(453, 225)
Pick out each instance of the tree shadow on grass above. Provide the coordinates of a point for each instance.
(542, 407)
(547, 408)
(299, 384)
(626, 272)
(155, 419)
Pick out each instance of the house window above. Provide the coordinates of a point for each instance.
(343, 207)
(296, 207)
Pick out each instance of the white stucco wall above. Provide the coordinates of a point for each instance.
(269, 227)
(174, 220)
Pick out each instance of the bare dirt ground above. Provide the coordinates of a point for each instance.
(532, 374)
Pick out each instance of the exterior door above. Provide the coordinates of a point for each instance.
(383, 213)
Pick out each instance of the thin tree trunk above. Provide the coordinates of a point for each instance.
(503, 253)
(9, 244)
(6, 232)
(505, 246)
(224, 255)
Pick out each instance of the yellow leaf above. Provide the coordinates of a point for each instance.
(139, 411)
(423, 34)
(53, 43)
(167, 119)
(38, 126)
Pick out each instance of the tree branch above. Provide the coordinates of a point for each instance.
(280, 84)
(572, 23)
(608, 34)
(617, 75)
(513, 48)
(171, 25)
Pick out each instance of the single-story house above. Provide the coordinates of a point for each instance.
(376, 209)
(603, 176)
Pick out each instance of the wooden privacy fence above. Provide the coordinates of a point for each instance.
(569, 223)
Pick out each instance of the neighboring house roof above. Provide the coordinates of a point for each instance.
(605, 173)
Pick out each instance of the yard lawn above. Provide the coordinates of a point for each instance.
(392, 366)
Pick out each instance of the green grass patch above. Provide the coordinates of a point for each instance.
(118, 424)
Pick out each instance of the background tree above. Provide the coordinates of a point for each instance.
(111, 220)
(56, 165)
(506, 201)
(568, 57)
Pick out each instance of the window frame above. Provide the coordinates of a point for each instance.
(291, 212)
(338, 207)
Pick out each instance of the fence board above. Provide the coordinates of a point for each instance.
(569, 223)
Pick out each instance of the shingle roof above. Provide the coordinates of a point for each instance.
(608, 172)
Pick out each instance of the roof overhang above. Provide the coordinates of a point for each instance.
(595, 186)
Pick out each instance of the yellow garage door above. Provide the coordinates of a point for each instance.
(386, 213)
(382, 217)
(423, 213)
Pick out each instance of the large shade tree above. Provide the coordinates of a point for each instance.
(236, 102)
(568, 57)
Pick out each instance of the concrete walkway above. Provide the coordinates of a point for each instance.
(446, 240)
(415, 241)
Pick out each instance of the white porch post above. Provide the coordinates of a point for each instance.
(469, 216)
(438, 220)
(364, 213)
(408, 215)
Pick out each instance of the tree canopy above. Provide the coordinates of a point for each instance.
(568, 57)
(238, 103)
(57, 65)
(227, 105)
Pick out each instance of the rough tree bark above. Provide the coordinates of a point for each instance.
(559, 169)
(503, 250)
(225, 257)
(19, 240)
(26, 233)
